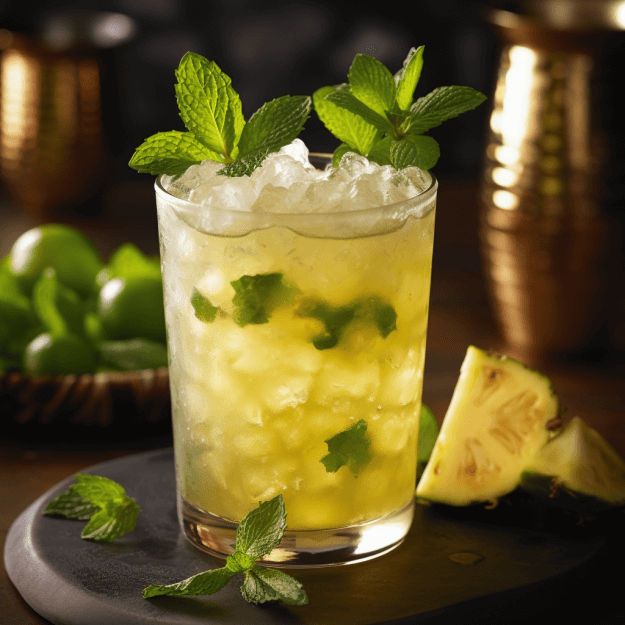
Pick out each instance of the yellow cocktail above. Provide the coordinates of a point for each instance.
(297, 346)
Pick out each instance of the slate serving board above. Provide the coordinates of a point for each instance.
(448, 570)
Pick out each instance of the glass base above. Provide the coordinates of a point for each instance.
(303, 548)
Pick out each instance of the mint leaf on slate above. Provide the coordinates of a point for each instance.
(385, 102)
(206, 583)
(350, 448)
(262, 584)
(419, 150)
(258, 533)
(202, 307)
(258, 295)
(112, 512)
(407, 78)
(209, 106)
(440, 105)
(372, 83)
(346, 126)
(71, 505)
(262, 529)
(170, 153)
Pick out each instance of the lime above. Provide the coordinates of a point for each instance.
(132, 308)
(68, 252)
(48, 354)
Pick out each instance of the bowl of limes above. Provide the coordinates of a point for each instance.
(82, 343)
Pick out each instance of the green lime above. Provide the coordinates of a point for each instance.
(47, 354)
(66, 250)
(132, 308)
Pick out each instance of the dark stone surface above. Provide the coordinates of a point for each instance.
(450, 569)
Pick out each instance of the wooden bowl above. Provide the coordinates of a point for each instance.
(134, 402)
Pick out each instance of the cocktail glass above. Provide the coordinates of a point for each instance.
(254, 403)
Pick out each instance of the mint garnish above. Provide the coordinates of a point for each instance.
(211, 111)
(348, 448)
(111, 513)
(257, 296)
(257, 535)
(202, 307)
(374, 113)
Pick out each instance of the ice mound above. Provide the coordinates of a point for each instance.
(287, 182)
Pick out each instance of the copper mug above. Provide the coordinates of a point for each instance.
(552, 207)
(53, 141)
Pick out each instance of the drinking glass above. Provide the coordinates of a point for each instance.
(334, 345)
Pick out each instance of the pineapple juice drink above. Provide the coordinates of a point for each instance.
(296, 305)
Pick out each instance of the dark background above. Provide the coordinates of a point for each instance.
(273, 47)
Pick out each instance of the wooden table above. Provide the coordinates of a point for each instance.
(459, 315)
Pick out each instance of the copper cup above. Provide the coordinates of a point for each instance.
(550, 235)
(53, 143)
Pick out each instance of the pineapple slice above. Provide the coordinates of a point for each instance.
(496, 423)
(579, 461)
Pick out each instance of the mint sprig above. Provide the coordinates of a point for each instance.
(257, 535)
(349, 448)
(373, 114)
(211, 110)
(110, 512)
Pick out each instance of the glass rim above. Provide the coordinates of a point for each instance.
(284, 219)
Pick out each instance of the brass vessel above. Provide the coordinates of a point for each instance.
(551, 220)
(53, 139)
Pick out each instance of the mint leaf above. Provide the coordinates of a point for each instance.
(112, 512)
(428, 433)
(133, 354)
(262, 529)
(356, 133)
(275, 124)
(440, 105)
(60, 310)
(202, 307)
(346, 100)
(378, 312)
(97, 489)
(414, 150)
(349, 448)
(71, 505)
(114, 519)
(209, 106)
(263, 584)
(381, 151)
(334, 319)
(206, 583)
(338, 154)
(407, 78)
(170, 153)
(372, 83)
(258, 295)
(257, 535)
